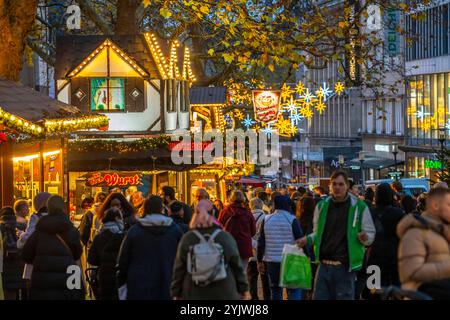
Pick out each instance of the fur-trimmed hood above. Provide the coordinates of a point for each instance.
(155, 220)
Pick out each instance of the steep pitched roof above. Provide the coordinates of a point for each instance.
(71, 50)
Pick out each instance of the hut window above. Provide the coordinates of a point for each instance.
(107, 94)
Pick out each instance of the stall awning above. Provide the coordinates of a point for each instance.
(375, 163)
(29, 112)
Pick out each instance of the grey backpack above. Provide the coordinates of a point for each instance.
(206, 261)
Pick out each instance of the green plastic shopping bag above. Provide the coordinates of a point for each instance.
(295, 269)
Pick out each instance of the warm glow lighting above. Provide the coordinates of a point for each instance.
(26, 158)
(51, 153)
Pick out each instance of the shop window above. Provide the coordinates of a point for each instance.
(107, 94)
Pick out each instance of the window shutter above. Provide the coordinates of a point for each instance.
(81, 95)
(134, 95)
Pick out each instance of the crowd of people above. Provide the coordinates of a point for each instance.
(158, 248)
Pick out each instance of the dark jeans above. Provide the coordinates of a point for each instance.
(252, 275)
(334, 283)
(273, 269)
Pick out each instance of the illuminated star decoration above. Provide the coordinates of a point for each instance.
(308, 96)
(300, 88)
(239, 115)
(320, 107)
(339, 88)
(420, 114)
(325, 92)
(248, 122)
(291, 107)
(286, 92)
(268, 130)
(306, 112)
(296, 118)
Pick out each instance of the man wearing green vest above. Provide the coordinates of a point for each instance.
(343, 227)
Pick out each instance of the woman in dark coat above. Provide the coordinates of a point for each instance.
(103, 254)
(13, 285)
(51, 249)
(147, 254)
(239, 221)
(383, 252)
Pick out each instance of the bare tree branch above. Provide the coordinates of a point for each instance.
(99, 22)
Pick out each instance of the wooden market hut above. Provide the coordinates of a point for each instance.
(33, 131)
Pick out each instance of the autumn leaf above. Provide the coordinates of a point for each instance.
(211, 51)
(228, 57)
(271, 67)
(146, 3)
(165, 12)
(204, 9)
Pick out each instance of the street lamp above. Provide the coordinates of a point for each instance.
(307, 165)
(341, 161)
(362, 159)
(395, 152)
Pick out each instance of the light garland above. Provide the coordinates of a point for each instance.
(21, 125)
(76, 124)
(169, 70)
(111, 45)
(101, 145)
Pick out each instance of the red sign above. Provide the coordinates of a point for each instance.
(193, 146)
(266, 104)
(113, 179)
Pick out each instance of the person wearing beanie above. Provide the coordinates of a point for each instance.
(147, 255)
(56, 243)
(40, 205)
(277, 229)
(103, 254)
(13, 285)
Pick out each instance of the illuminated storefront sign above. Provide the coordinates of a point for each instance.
(266, 104)
(113, 179)
(433, 164)
(382, 147)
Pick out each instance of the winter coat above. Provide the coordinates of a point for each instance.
(239, 221)
(103, 254)
(227, 289)
(383, 251)
(147, 256)
(51, 257)
(424, 251)
(12, 260)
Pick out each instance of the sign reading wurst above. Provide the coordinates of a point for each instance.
(113, 179)
(266, 104)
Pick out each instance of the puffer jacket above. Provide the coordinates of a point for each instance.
(424, 251)
(51, 258)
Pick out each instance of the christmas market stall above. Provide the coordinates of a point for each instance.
(141, 83)
(33, 141)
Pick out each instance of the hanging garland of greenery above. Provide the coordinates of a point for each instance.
(102, 145)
